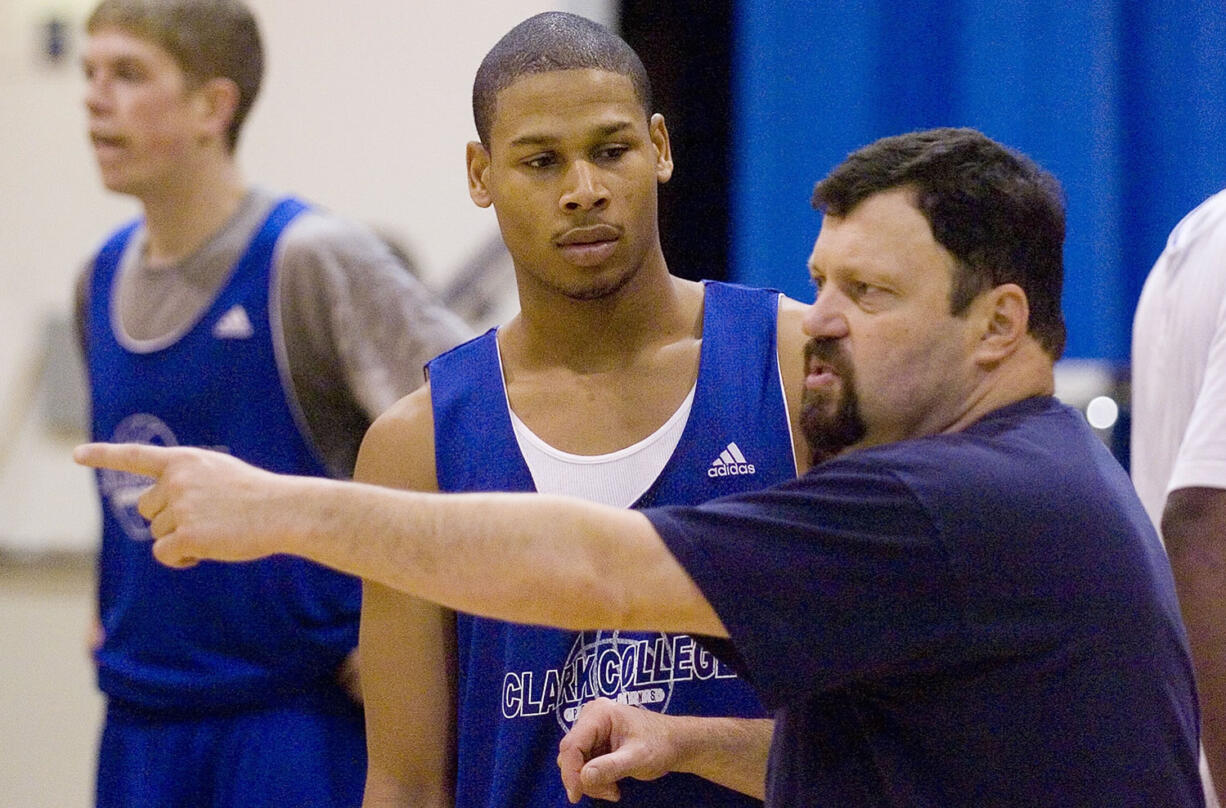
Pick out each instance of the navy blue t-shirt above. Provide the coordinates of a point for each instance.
(980, 618)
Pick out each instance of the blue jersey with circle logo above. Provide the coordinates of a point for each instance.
(217, 637)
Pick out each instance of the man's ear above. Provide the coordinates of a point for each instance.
(217, 103)
(664, 150)
(1003, 315)
(478, 160)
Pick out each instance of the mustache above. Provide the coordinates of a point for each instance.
(828, 433)
(828, 352)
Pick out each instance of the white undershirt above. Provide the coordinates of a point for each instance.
(618, 478)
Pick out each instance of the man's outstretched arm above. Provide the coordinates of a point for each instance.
(612, 741)
(528, 558)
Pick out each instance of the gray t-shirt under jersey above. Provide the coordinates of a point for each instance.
(356, 327)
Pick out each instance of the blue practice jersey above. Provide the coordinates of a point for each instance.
(521, 687)
(217, 637)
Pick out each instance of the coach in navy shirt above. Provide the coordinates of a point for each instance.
(964, 604)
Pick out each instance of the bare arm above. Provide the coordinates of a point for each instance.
(1194, 529)
(407, 644)
(612, 741)
(489, 554)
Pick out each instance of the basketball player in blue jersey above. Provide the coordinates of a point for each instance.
(616, 382)
(227, 317)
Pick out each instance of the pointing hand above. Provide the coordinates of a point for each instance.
(203, 504)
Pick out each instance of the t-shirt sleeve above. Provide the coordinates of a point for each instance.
(1201, 461)
(357, 329)
(821, 581)
(351, 309)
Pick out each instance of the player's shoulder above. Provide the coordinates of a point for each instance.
(409, 412)
(790, 318)
(317, 229)
(788, 308)
(791, 307)
(398, 448)
(320, 250)
(319, 238)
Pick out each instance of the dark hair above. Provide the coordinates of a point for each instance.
(994, 209)
(207, 38)
(554, 40)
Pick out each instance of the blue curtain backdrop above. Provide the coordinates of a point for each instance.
(1125, 102)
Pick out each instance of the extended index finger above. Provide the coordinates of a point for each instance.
(137, 458)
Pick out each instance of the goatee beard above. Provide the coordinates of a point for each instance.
(827, 435)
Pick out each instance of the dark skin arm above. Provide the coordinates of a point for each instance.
(1194, 529)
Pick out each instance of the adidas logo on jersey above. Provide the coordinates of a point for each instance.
(234, 324)
(730, 463)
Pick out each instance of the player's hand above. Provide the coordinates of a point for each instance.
(203, 504)
(611, 741)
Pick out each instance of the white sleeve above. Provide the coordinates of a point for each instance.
(1202, 319)
(1201, 461)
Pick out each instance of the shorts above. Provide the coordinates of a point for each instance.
(301, 755)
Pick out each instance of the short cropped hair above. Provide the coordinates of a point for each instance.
(544, 43)
(994, 209)
(207, 38)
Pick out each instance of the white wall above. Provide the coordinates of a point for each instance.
(365, 109)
